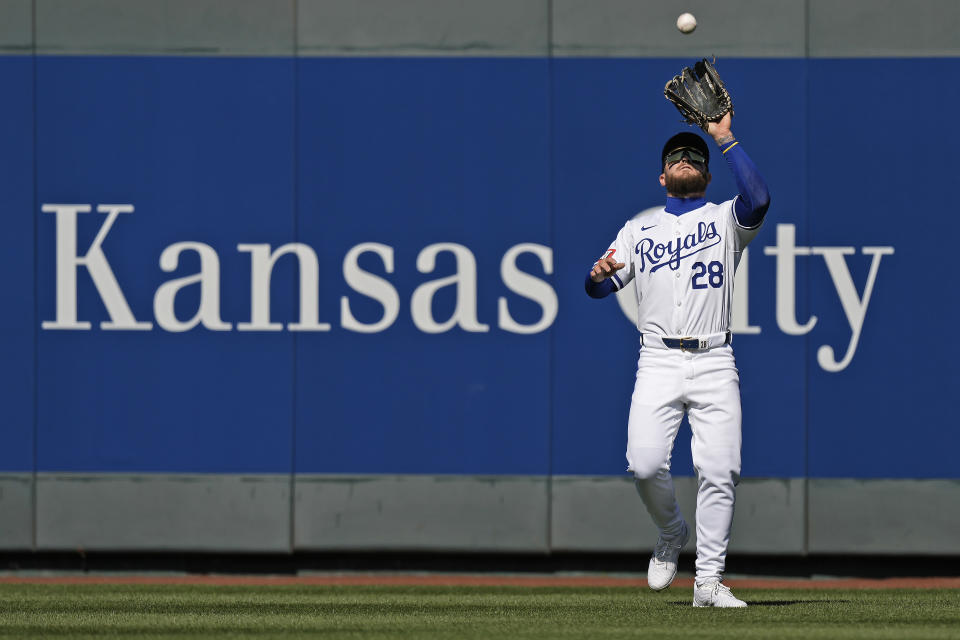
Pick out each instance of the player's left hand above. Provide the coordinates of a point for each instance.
(605, 268)
(720, 131)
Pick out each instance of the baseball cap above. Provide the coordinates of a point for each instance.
(685, 139)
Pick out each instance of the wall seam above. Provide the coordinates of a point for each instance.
(806, 337)
(296, 236)
(551, 345)
(36, 296)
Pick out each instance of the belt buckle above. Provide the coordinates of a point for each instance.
(682, 347)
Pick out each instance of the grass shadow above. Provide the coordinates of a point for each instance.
(770, 603)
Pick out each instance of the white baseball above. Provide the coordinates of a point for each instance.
(686, 23)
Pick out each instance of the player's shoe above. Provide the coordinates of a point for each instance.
(714, 593)
(663, 564)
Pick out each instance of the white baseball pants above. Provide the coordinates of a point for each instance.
(705, 384)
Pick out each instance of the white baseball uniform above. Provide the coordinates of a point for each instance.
(682, 267)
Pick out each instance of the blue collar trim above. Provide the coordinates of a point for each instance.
(680, 206)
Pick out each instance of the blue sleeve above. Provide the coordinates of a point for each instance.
(599, 289)
(754, 199)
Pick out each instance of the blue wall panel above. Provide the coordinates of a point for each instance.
(885, 179)
(203, 148)
(17, 324)
(387, 156)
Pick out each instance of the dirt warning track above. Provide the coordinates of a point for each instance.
(459, 580)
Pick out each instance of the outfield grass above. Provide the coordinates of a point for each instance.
(173, 611)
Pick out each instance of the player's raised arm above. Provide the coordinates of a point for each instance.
(754, 199)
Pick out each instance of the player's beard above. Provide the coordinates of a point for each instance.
(686, 184)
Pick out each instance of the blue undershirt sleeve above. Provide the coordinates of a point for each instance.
(754, 200)
(599, 289)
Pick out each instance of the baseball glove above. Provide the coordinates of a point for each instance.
(699, 94)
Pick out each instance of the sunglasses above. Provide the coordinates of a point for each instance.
(693, 155)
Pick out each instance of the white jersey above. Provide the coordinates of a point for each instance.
(682, 267)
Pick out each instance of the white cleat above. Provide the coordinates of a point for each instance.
(663, 563)
(714, 593)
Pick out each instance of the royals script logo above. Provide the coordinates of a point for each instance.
(676, 250)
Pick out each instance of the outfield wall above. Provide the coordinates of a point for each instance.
(309, 275)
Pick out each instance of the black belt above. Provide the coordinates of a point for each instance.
(689, 344)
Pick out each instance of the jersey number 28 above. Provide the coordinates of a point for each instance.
(713, 271)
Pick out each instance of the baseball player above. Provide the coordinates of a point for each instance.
(681, 261)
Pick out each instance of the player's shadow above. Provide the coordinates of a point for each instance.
(770, 603)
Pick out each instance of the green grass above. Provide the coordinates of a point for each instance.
(170, 611)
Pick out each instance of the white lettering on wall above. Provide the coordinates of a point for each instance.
(262, 262)
(263, 259)
(97, 266)
(786, 252)
(853, 307)
(208, 311)
(529, 287)
(465, 280)
(371, 286)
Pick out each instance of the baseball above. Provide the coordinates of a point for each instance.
(686, 23)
